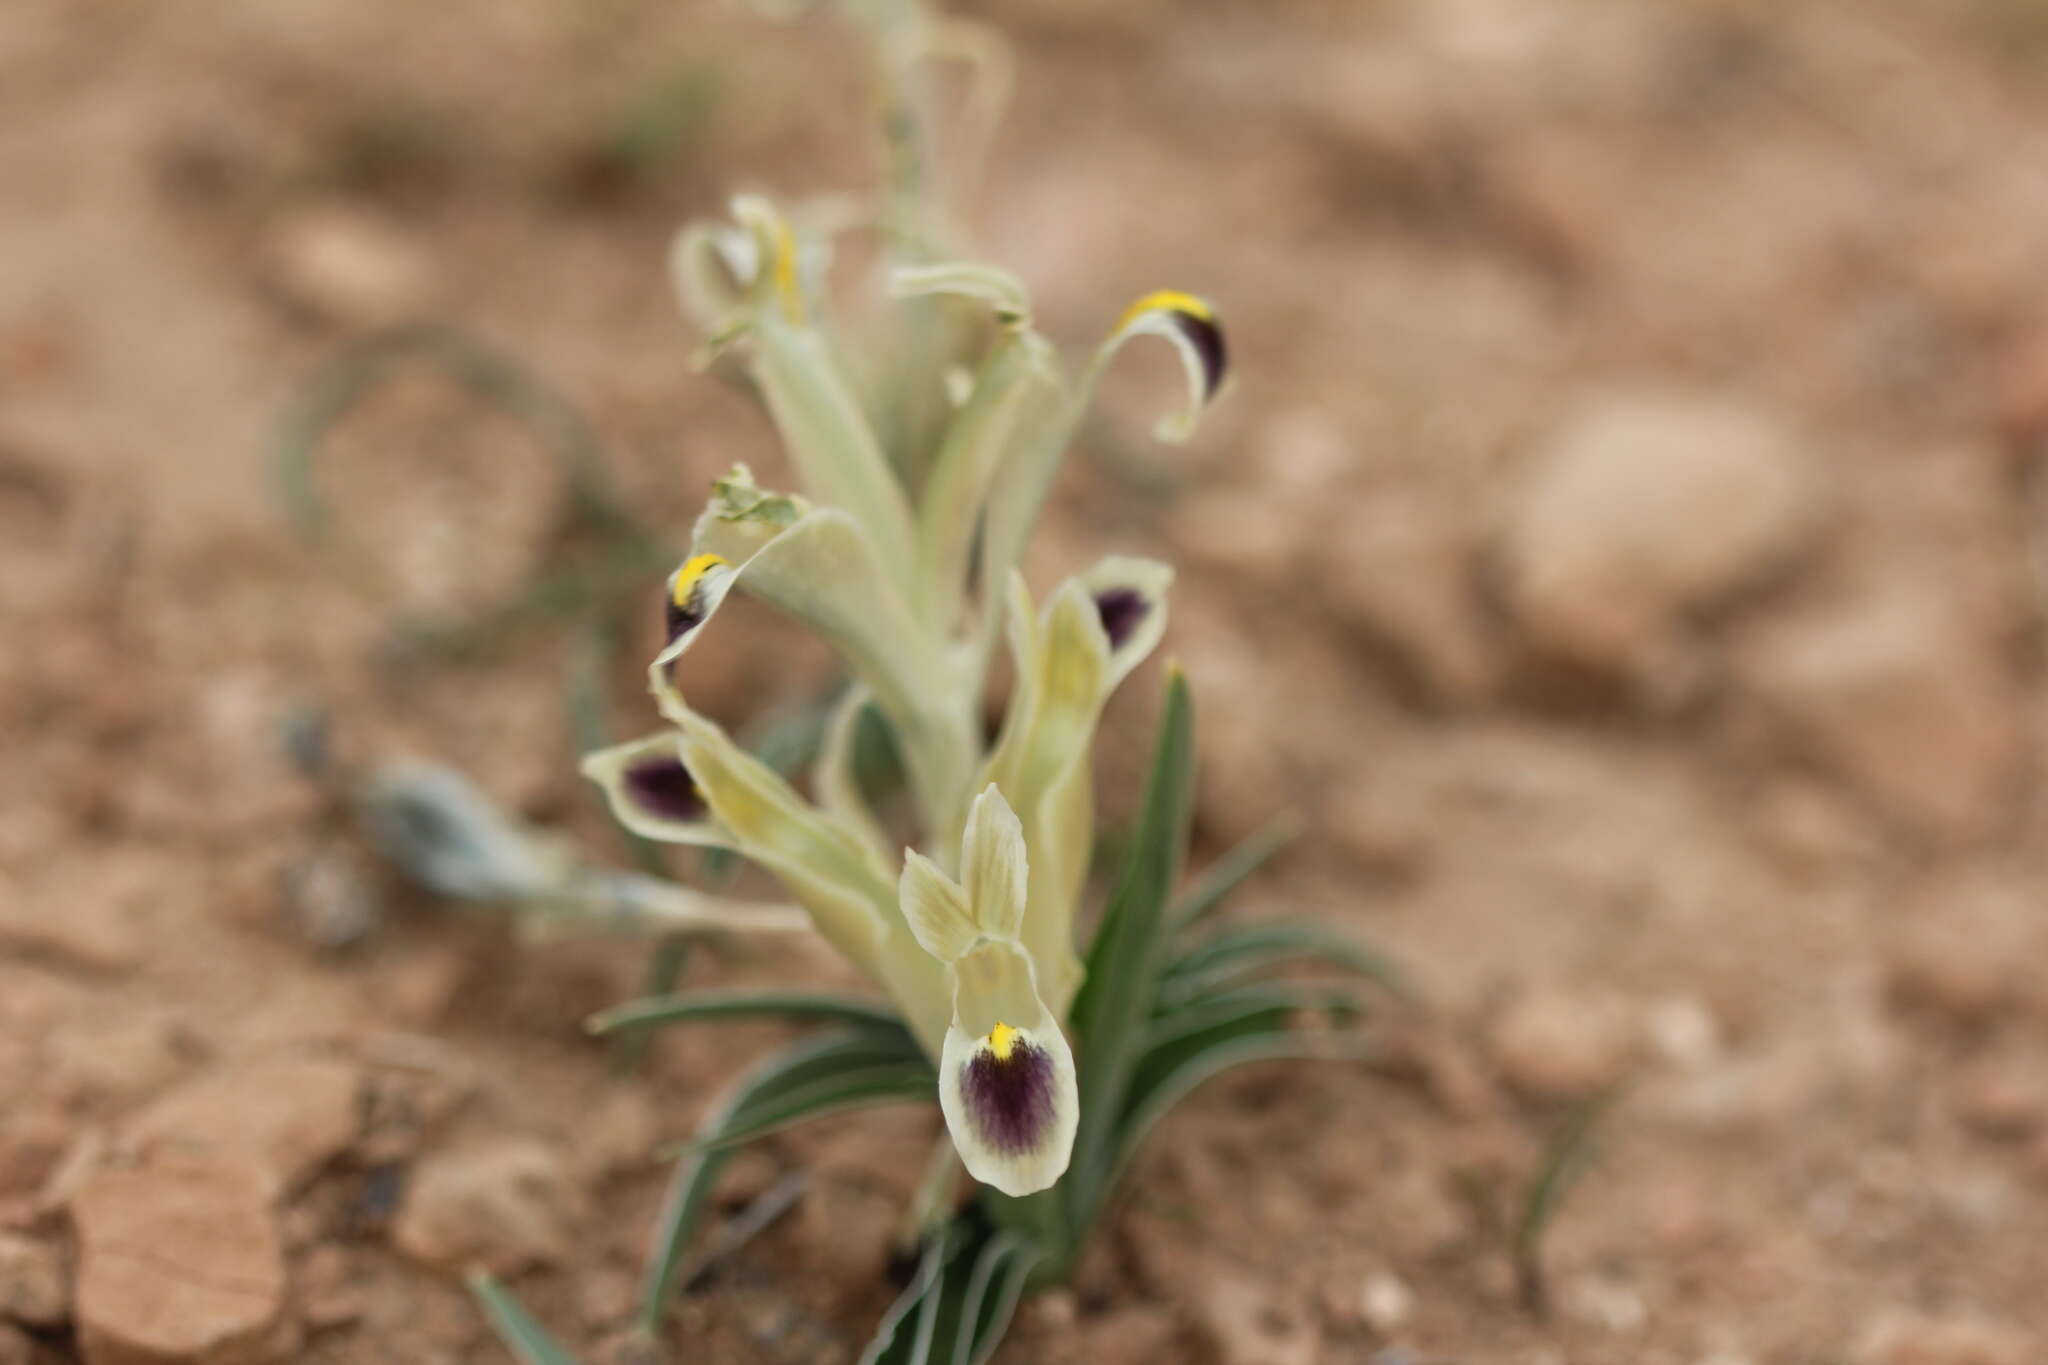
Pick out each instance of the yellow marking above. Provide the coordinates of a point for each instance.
(1168, 301)
(785, 274)
(691, 574)
(1002, 1041)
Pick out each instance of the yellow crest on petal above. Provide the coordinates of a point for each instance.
(1168, 301)
(1002, 1041)
(690, 575)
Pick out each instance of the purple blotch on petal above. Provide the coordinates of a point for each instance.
(679, 621)
(1009, 1100)
(664, 787)
(1121, 610)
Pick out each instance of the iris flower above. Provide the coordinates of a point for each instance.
(906, 562)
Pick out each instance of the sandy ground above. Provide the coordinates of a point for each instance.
(1617, 546)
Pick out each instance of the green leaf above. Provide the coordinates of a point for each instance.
(1000, 1272)
(1227, 873)
(1234, 952)
(959, 1304)
(1566, 1157)
(909, 1329)
(770, 1081)
(1115, 999)
(523, 1336)
(901, 1082)
(1189, 1069)
(803, 1006)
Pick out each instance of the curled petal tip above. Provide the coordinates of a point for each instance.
(688, 601)
(652, 790)
(1195, 322)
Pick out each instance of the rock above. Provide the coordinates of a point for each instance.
(348, 266)
(1684, 1032)
(1136, 1334)
(179, 1263)
(1640, 510)
(1386, 1301)
(2002, 1097)
(33, 1286)
(1400, 575)
(1899, 1338)
(508, 1204)
(1901, 692)
(82, 915)
(1961, 946)
(287, 1117)
(329, 1293)
(1247, 1327)
(115, 1058)
(1558, 1044)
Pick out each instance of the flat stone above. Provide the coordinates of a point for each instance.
(1642, 508)
(1900, 691)
(179, 1263)
(285, 1116)
(508, 1204)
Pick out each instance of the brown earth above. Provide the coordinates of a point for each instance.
(1619, 545)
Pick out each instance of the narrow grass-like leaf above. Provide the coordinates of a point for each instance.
(1565, 1158)
(1115, 1000)
(522, 1335)
(861, 1088)
(909, 1328)
(775, 1076)
(1000, 1271)
(1175, 1083)
(1227, 873)
(801, 1006)
(1248, 948)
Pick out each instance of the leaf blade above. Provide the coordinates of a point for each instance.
(522, 1334)
(655, 1011)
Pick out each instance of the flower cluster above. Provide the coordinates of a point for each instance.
(903, 553)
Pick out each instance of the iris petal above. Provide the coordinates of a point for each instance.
(1006, 1075)
(653, 792)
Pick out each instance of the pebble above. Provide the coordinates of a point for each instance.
(34, 1288)
(1642, 508)
(348, 266)
(285, 1117)
(509, 1204)
(1684, 1032)
(1558, 1044)
(1901, 692)
(1899, 1338)
(1960, 946)
(2002, 1097)
(1246, 1327)
(1386, 1302)
(1135, 1334)
(179, 1263)
(1401, 575)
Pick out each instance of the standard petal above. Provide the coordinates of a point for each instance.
(936, 908)
(993, 866)
(1042, 765)
(1016, 408)
(1006, 1075)
(653, 792)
